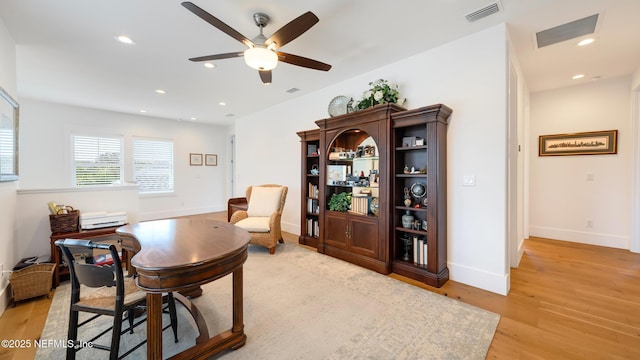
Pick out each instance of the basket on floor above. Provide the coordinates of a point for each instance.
(31, 281)
(64, 223)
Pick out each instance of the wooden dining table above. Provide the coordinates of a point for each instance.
(178, 255)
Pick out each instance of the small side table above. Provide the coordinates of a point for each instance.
(56, 256)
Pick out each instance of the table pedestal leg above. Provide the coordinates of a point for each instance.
(238, 321)
(154, 326)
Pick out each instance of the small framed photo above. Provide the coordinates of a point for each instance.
(195, 159)
(211, 160)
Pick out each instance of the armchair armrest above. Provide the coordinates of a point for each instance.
(235, 204)
(237, 216)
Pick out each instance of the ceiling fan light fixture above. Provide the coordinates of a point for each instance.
(260, 58)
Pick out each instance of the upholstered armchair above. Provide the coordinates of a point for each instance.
(263, 214)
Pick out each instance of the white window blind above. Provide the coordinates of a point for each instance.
(6, 151)
(153, 165)
(96, 160)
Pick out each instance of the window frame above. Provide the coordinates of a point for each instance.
(142, 190)
(121, 154)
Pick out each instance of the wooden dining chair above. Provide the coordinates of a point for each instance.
(105, 291)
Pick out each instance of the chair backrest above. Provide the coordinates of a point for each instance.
(271, 197)
(90, 274)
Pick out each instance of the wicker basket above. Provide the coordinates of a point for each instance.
(64, 223)
(34, 280)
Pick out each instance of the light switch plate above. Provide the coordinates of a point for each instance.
(468, 180)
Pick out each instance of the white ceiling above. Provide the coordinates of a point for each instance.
(66, 50)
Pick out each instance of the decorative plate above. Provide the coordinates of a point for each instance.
(375, 206)
(418, 190)
(338, 105)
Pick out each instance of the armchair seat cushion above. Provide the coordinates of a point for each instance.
(255, 224)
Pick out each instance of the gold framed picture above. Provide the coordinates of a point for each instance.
(583, 143)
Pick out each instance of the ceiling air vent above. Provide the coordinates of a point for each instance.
(292, 90)
(484, 12)
(567, 31)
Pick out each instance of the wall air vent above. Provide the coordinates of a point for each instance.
(567, 31)
(484, 12)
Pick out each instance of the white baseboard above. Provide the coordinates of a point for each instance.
(291, 228)
(497, 283)
(4, 299)
(583, 237)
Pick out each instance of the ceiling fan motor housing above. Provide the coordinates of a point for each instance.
(261, 19)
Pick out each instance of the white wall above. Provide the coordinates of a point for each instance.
(468, 75)
(562, 199)
(45, 165)
(8, 256)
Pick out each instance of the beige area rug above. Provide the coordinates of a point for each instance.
(299, 304)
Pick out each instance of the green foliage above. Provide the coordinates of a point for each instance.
(380, 92)
(340, 202)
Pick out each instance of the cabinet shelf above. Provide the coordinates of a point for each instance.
(411, 148)
(417, 176)
(411, 208)
(412, 231)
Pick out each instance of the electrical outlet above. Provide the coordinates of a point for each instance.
(589, 223)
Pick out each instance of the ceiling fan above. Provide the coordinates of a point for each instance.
(261, 53)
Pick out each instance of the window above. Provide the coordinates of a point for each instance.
(153, 165)
(96, 160)
(7, 147)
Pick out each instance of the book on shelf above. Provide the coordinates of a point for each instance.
(313, 227)
(313, 206)
(313, 190)
(360, 204)
(420, 250)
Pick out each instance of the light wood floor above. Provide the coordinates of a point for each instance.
(567, 301)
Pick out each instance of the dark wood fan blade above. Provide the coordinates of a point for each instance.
(302, 61)
(265, 76)
(293, 29)
(218, 56)
(217, 23)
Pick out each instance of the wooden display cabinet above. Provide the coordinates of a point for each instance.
(419, 141)
(360, 238)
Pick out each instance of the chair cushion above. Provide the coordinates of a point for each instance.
(255, 224)
(264, 201)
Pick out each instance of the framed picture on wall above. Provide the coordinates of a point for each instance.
(8, 137)
(211, 160)
(584, 143)
(195, 159)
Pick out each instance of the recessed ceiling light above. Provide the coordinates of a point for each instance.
(194, 118)
(222, 103)
(578, 76)
(125, 39)
(209, 65)
(160, 91)
(143, 110)
(586, 42)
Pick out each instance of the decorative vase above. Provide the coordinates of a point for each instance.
(407, 220)
(407, 197)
